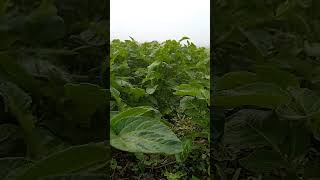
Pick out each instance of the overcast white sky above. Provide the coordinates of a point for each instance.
(147, 20)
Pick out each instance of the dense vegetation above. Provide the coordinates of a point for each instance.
(53, 96)
(159, 110)
(266, 89)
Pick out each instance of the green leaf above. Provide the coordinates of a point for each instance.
(281, 78)
(251, 128)
(65, 161)
(7, 165)
(195, 90)
(263, 161)
(151, 90)
(256, 94)
(260, 39)
(144, 134)
(46, 8)
(15, 73)
(116, 95)
(183, 38)
(194, 178)
(285, 8)
(86, 99)
(9, 139)
(135, 93)
(304, 106)
(19, 103)
(131, 112)
(234, 79)
(312, 49)
(43, 24)
(7, 130)
(186, 149)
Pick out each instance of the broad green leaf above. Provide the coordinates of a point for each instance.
(281, 78)
(151, 90)
(235, 79)
(8, 165)
(189, 102)
(116, 95)
(154, 65)
(10, 135)
(186, 149)
(66, 161)
(195, 90)
(304, 106)
(312, 49)
(50, 141)
(43, 24)
(144, 134)
(260, 39)
(113, 113)
(256, 94)
(194, 178)
(6, 130)
(131, 112)
(135, 93)
(86, 99)
(18, 75)
(114, 92)
(250, 128)
(304, 3)
(285, 8)
(46, 8)
(263, 161)
(19, 104)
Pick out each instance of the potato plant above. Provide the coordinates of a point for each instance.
(152, 85)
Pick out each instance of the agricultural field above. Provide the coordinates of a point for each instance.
(62, 95)
(159, 110)
(266, 96)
